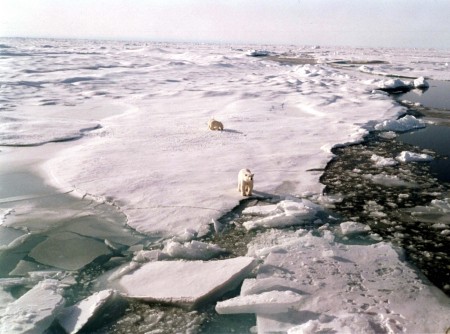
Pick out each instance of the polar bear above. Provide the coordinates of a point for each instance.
(215, 125)
(245, 182)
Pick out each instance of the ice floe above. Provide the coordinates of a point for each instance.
(286, 213)
(33, 312)
(339, 289)
(350, 228)
(270, 302)
(91, 312)
(407, 156)
(63, 251)
(193, 250)
(184, 283)
(382, 161)
(405, 123)
(395, 85)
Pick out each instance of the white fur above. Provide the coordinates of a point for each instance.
(245, 182)
(215, 125)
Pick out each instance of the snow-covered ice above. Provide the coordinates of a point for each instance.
(185, 283)
(356, 288)
(406, 123)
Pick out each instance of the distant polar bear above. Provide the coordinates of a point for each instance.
(215, 125)
(245, 182)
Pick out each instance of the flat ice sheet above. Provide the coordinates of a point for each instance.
(184, 282)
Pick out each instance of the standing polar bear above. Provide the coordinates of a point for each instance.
(215, 125)
(245, 182)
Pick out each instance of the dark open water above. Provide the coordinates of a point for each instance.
(403, 214)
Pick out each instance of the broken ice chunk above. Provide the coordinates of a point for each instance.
(194, 250)
(421, 83)
(96, 309)
(287, 213)
(185, 283)
(34, 312)
(270, 302)
(68, 251)
(350, 228)
(407, 156)
(254, 286)
(406, 123)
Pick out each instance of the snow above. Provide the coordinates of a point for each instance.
(158, 159)
(185, 283)
(33, 312)
(406, 156)
(340, 287)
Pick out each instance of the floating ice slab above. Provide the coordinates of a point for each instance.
(407, 156)
(382, 161)
(186, 283)
(34, 312)
(406, 123)
(395, 85)
(68, 251)
(106, 303)
(270, 302)
(421, 83)
(349, 228)
(286, 213)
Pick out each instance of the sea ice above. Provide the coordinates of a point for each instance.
(270, 302)
(185, 283)
(421, 83)
(350, 228)
(338, 281)
(33, 312)
(382, 161)
(194, 250)
(94, 309)
(395, 85)
(403, 124)
(286, 213)
(406, 156)
(68, 251)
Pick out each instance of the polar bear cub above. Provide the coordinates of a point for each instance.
(215, 125)
(245, 182)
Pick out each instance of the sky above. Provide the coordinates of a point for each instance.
(365, 23)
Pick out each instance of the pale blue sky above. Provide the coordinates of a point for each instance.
(376, 23)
